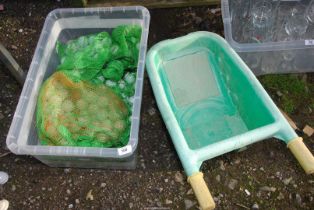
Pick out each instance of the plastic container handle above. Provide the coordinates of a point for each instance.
(302, 154)
(201, 191)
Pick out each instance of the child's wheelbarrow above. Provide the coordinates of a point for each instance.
(212, 104)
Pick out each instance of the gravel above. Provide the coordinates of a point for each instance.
(190, 192)
(4, 177)
(287, 181)
(13, 188)
(267, 189)
(168, 201)
(247, 192)
(152, 111)
(89, 195)
(280, 196)
(139, 186)
(178, 177)
(232, 184)
(222, 165)
(13, 47)
(218, 178)
(188, 203)
(298, 199)
(255, 206)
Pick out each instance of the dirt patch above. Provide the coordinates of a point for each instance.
(266, 175)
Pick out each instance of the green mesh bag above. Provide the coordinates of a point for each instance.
(87, 56)
(87, 101)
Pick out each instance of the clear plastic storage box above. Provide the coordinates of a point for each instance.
(271, 36)
(63, 25)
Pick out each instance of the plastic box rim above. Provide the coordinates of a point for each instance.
(255, 47)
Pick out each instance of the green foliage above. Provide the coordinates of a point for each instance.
(291, 91)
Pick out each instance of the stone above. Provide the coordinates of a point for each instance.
(242, 149)
(308, 130)
(247, 192)
(237, 161)
(4, 204)
(190, 192)
(188, 203)
(197, 20)
(232, 184)
(218, 178)
(143, 165)
(255, 206)
(267, 189)
(280, 196)
(13, 47)
(89, 195)
(271, 154)
(279, 93)
(131, 205)
(4, 177)
(67, 170)
(158, 203)
(287, 181)
(298, 198)
(178, 177)
(168, 201)
(215, 10)
(152, 111)
(222, 165)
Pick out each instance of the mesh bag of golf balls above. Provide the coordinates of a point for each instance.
(87, 101)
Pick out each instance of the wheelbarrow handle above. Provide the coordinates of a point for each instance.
(201, 191)
(302, 154)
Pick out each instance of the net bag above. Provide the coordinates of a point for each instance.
(81, 114)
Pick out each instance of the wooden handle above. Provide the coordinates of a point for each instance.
(302, 154)
(201, 191)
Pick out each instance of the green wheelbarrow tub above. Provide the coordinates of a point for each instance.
(212, 104)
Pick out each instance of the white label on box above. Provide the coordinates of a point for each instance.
(309, 42)
(125, 150)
